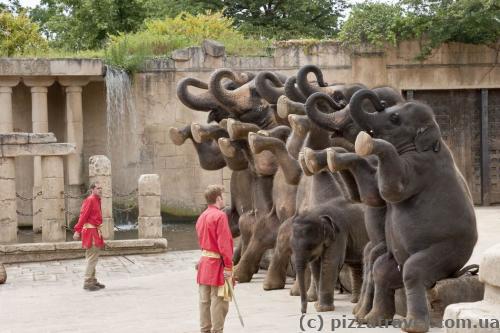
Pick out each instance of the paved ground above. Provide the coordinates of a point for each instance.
(157, 293)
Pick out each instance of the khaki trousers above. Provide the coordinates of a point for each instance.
(213, 310)
(91, 256)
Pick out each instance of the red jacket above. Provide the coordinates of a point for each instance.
(214, 235)
(90, 213)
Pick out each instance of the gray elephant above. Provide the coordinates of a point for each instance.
(430, 222)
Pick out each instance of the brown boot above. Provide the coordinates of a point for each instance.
(100, 285)
(90, 285)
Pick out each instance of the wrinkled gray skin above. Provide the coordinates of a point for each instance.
(364, 172)
(430, 224)
(328, 235)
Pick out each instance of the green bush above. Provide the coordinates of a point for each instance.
(19, 36)
(159, 38)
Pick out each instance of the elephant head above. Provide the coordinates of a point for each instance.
(270, 92)
(292, 91)
(311, 234)
(240, 100)
(407, 126)
(341, 121)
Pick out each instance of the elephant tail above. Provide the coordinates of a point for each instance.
(470, 269)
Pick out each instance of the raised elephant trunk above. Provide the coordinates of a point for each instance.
(331, 121)
(304, 85)
(270, 92)
(363, 118)
(292, 92)
(237, 100)
(285, 106)
(202, 102)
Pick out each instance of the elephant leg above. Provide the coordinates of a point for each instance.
(237, 253)
(387, 279)
(276, 274)
(300, 127)
(366, 268)
(356, 271)
(366, 302)
(420, 271)
(331, 262)
(312, 292)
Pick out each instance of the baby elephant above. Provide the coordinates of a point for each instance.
(327, 236)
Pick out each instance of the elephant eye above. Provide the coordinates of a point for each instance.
(394, 118)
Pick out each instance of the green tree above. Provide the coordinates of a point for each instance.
(19, 35)
(85, 24)
(279, 19)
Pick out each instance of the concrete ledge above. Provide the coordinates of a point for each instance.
(25, 138)
(51, 67)
(37, 149)
(16, 253)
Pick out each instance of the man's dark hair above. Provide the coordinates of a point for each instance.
(212, 192)
(93, 185)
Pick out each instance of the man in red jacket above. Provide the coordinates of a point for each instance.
(215, 265)
(88, 229)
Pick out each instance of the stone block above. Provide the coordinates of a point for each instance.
(99, 165)
(213, 48)
(492, 294)
(149, 205)
(24, 138)
(53, 230)
(8, 210)
(490, 266)
(8, 231)
(149, 184)
(53, 188)
(7, 168)
(34, 247)
(53, 209)
(42, 138)
(69, 245)
(107, 207)
(478, 317)
(466, 288)
(52, 167)
(181, 55)
(150, 227)
(8, 189)
(36, 149)
(108, 228)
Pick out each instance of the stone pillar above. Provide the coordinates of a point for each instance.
(149, 206)
(74, 134)
(100, 171)
(53, 221)
(483, 315)
(40, 124)
(8, 206)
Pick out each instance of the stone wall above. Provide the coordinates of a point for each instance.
(453, 66)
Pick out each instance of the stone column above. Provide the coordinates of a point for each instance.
(100, 171)
(8, 206)
(149, 206)
(53, 221)
(40, 124)
(483, 315)
(74, 134)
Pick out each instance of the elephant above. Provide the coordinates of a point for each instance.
(292, 91)
(430, 223)
(328, 235)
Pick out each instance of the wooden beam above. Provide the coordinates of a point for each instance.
(485, 150)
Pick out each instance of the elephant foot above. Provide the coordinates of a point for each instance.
(303, 165)
(197, 132)
(282, 106)
(300, 124)
(356, 308)
(364, 144)
(312, 296)
(177, 136)
(223, 123)
(354, 298)
(415, 325)
(238, 130)
(241, 274)
(315, 160)
(295, 291)
(226, 147)
(3, 274)
(324, 307)
(376, 318)
(273, 283)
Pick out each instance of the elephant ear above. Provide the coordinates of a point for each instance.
(427, 138)
(330, 228)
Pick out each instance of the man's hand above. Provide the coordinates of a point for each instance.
(228, 273)
(76, 236)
